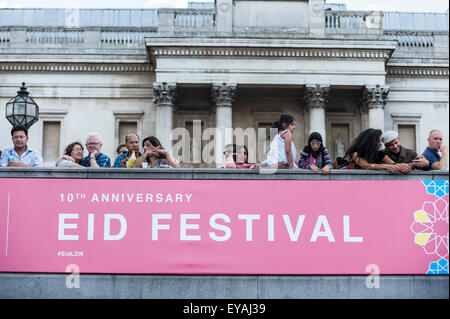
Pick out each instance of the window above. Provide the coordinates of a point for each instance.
(127, 123)
(52, 130)
(126, 128)
(408, 127)
(51, 138)
(407, 135)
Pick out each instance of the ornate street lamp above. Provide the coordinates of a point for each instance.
(22, 109)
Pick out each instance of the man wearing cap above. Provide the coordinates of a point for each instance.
(400, 154)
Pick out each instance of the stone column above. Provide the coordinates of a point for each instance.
(374, 99)
(316, 98)
(164, 96)
(223, 96)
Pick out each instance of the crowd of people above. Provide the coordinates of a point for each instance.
(364, 152)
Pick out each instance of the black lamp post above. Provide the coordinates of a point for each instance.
(22, 109)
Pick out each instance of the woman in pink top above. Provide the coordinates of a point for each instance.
(242, 158)
(239, 158)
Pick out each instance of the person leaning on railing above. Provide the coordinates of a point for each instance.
(240, 159)
(95, 158)
(365, 153)
(72, 156)
(20, 155)
(400, 154)
(282, 152)
(315, 155)
(154, 156)
(437, 162)
(126, 159)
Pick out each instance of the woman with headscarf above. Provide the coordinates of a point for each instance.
(315, 155)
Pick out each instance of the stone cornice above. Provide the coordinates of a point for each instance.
(417, 71)
(331, 53)
(280, 48)
(77, 67)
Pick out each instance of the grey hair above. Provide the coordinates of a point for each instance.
(94, 134)
(434, 130)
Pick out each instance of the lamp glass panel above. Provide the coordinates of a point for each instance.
(19, 108)
(19, 119)
(31, 109)
(9, 109)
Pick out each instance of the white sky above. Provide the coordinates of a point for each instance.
(384, 5)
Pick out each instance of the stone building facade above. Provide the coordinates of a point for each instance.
(229, 64)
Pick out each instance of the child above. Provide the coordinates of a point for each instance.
(315, 155)
(282, 153)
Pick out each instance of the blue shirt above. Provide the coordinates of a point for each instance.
(29, 157)
(118, 160)
(431, 155)
(101, 159)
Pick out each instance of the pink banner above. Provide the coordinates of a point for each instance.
(224, 226)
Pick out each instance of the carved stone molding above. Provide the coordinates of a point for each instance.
(223, 94)
(164, 94)
(77, 67)
(417, 71)
(359, 54)
(374, 97)
(316, 95)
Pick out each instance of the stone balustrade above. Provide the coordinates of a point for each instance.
(125, 37)
(60, 35)
(194, 17)
(5, 36)
(339, 20)
(409, 39)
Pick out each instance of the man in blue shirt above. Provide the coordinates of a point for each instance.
(132, 143)
(20, 155)
(435, 145)
(95, 158)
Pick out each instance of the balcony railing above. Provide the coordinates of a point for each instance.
(338, 20)
(411, 39)
(125, 37)
(57, 36)
(194, 17)
(215, 174)
(5, 36)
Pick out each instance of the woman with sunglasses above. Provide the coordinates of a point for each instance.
(72, 156)
(315, 155)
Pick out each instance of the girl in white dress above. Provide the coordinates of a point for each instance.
(282, 153)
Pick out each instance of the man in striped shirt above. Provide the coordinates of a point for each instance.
(20, 155)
